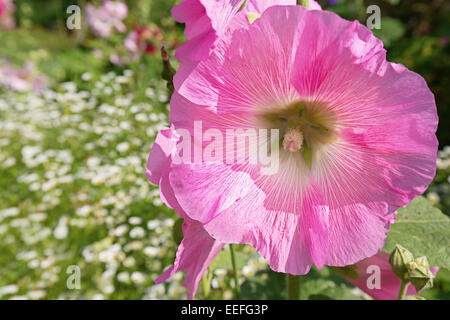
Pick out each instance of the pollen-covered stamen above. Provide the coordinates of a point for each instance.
(293, 139)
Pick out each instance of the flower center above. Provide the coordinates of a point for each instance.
(304, 126)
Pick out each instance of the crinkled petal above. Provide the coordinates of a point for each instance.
(158, 167)
(207, 21)
(194, 255)
(160, 155)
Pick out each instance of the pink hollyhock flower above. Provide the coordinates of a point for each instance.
(21, 79)
(2, 7)
(106, 17)
(143, 40)
(7, 9)
(209, 20)
(389, 283)
(116, 59)
(358, 135)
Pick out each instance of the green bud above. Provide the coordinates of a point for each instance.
(399, 261)
(420, 274)
(168, 71)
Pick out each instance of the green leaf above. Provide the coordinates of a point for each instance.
(177, 231)
(424, 230)
(319, 297)
(223, 260)
(320, 283)
(265, 284)
(391, 30)
(346, 272)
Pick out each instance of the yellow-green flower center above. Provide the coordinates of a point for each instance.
(304, 126)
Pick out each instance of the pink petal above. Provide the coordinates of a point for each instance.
(389, 283)
(194, 255)
(207, 21)
(158, 167)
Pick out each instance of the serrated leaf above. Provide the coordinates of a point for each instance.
(424, 230)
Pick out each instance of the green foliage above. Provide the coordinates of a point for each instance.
(392, 30)
(424, 230)
(222, 260)
(177, 231)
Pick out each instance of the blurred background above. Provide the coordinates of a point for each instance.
(79, 111)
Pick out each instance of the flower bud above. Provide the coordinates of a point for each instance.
(420, 274)
(399, 261)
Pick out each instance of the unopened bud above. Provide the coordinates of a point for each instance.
(420, 274)
(399, 260)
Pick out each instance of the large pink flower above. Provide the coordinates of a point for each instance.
(358, 142)
(389, 284)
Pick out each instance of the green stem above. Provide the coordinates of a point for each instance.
(235, 274)
(402, 291)
(206, 284)
(293, 284)
(305, 3)
(361, 10)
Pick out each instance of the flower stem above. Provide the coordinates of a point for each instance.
(402, 291)
(235, 274)
(293, 284)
